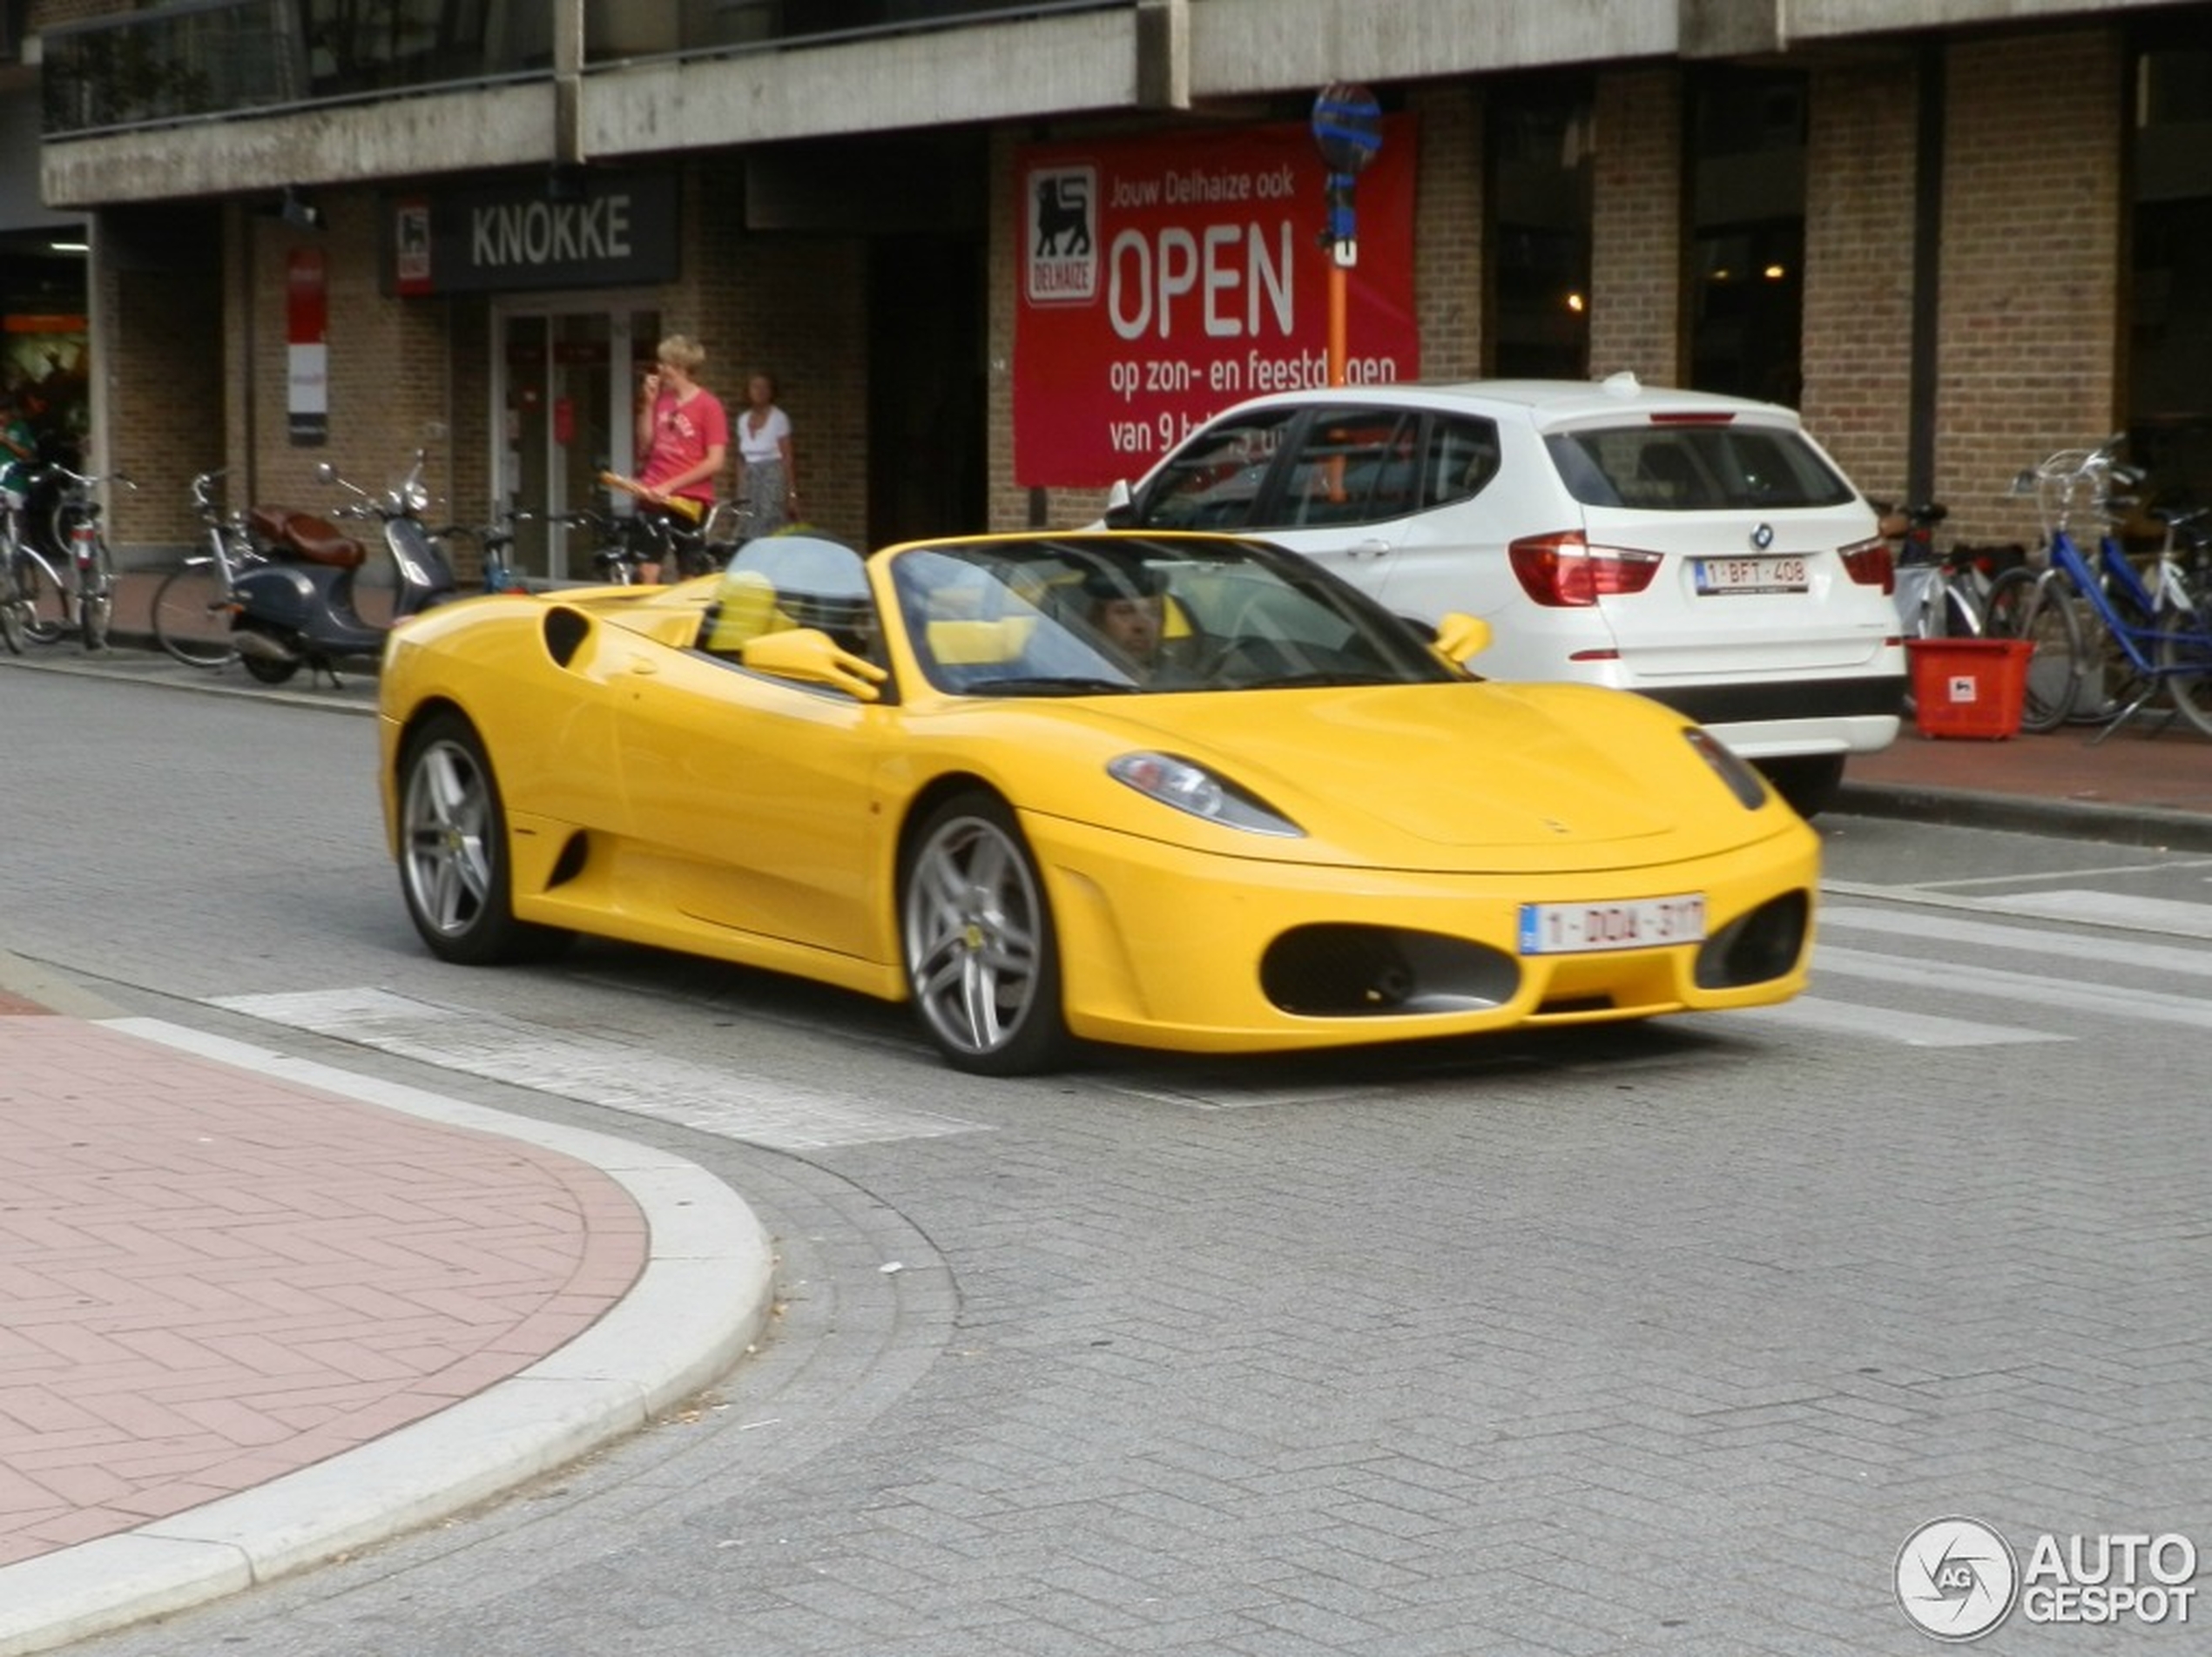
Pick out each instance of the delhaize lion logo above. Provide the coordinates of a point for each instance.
(1062, 262)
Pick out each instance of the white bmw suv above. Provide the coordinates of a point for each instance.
(1700, 549)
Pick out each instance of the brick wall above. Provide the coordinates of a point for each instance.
(1636, 230)
(1007, 503)
(391, 386)
(162, 398)
(2032, 254)
(1447, 249)
(1858, 328)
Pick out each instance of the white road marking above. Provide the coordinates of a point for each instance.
(782, 1116)
(1888, 1024)
(2043, 944)
(2028, 990)
(2113, 909)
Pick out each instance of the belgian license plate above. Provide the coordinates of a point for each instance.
(1639, 923)
(1751, 575)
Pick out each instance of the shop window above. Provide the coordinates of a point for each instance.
(2170, 367)
(1539, 145)
(1747, 142)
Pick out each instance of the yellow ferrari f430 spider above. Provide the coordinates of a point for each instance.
(1173, 791)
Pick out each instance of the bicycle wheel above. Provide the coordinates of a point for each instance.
(2023, 604)
(1937, 608)
(2108, 681)
(192, 616)
(95, 598)
(2185, 662)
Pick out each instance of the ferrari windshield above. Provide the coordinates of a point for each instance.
(1099, 614)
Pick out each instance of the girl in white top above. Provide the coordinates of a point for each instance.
(767, 479)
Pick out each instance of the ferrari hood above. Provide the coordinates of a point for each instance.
(1404, 772)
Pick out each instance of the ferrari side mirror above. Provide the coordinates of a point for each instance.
(811, 657)
(1460, 635)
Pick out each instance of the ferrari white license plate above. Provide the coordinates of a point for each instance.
(1639, 923)
(1751, 575)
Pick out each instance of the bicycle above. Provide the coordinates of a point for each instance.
(2185, 638)
(625, 541)
(493, 542)
(31, 592)
(38, 601)
(196, 602)
(2103, 623)
(77, 524)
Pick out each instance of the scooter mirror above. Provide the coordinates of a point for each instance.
(325, 472)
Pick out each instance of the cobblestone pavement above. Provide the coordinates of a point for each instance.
(279, 1274)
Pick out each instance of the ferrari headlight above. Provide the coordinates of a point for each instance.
(1194, 789)
(1742, 780)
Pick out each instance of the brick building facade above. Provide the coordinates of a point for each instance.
(2021, 305)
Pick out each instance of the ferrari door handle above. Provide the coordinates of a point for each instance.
(644, 665)
(1370, 547)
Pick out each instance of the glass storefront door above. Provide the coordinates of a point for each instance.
(563, 385)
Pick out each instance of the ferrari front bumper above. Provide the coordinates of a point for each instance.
(1163, 947)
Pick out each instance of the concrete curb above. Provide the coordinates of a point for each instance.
(2145, 825)
(701, 1299)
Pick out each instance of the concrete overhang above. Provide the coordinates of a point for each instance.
(1725, 27)
(436, 133)
(1031, 69)
(1241, 48)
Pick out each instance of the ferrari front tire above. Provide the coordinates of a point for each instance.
(982, 962)
(454, 870)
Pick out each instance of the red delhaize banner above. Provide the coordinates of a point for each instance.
(1164, 279)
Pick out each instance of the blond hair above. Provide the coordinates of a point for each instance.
(683, 351)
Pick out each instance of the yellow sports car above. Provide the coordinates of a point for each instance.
(1176, 791)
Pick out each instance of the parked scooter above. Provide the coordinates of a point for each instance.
(299, 608)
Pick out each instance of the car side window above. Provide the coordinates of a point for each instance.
(1215, 480)
(1463, 456)
(1353, 466)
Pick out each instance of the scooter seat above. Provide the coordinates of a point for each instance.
(303, 535)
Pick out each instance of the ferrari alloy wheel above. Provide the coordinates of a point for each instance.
(454, 866)
(982, 961)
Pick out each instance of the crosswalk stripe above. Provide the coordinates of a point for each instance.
(2112, 908)
(779, 1114)
(2025, 989)
(2040, 941)
(1889, 1024)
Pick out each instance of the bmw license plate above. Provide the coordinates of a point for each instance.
(1639, 923)
(1749, 575)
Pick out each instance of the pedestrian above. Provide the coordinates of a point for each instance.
(683, 435)
(18, 453)
(767, 478)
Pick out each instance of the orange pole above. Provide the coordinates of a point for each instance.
(1337, 285)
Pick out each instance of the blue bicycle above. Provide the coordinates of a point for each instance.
(2107, 637)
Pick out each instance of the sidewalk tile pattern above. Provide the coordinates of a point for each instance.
(210, 1279)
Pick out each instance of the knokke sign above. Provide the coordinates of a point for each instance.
(612, 230)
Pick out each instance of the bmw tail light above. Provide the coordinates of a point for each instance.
(1870, 564)
(1564, 571)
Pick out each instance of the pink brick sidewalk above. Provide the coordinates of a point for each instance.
(209, 1277)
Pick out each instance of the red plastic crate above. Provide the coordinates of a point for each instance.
(1968, 687)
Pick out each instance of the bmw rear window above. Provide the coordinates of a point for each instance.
(1695, 468)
